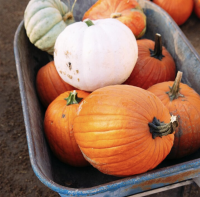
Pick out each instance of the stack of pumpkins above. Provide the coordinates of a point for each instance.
(112, 101)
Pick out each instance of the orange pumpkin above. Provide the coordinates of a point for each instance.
(154, 64)
(49, 85)
(128, 12)
(183, 101)
(179, 10)
(197, 8)
(123, 130)
(58, 127)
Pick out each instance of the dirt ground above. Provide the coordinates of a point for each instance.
(17, 178)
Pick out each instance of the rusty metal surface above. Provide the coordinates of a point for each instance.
(70, 181)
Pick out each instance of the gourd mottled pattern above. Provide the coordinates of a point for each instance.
(44, 20)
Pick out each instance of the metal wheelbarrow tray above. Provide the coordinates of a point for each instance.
(87, 181)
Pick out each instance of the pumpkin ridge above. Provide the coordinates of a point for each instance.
(124, 145)
(26, 22)
(167, 71)
(110, 139)
(105, 128)
(160, 72)
(109, 5)
(31, 27)
(142, 67)
(141, 137)
(192, 130)
(42, 36)
(154, 102)
(46, 92)
(132, 163)
(133, 25)
(165, 148)
(133, 101)
(69, 109)
(138, 144)
(115, 114)
(142, 33)
(160, 153)
(149, 74)
(142, 92)
(45, 100)
(154, 153)
(52, 82)
(141, 150)
(122, 2)
(144, 163)
(198, 112)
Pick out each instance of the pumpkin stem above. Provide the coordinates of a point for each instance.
(157, 52)
(89, 23)
(67, 16)
(174, 90)
(159, 129)
(73, 98)
(115, 15)
(73, 6)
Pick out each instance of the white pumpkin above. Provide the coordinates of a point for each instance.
(91, 57)
(44, 20)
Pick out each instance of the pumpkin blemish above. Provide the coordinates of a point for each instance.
(63, 115)
(70, 65)
(77, 71)
(69, 76)
(67, 53)
(78, 79)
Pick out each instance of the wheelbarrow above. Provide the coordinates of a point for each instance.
(70, 181)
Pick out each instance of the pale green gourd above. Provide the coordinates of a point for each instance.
(44, 20)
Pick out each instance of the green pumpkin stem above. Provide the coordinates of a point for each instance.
(73, 98)
(89, 23)
(159, 129)
(157, 52)
(174, 90)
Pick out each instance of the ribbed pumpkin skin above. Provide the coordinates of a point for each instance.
(131, 14)
(149, 70)
(112, 130)
(58, 127)
(179, 10)
(187, 108)
(43, 21)
(49, 84)
(197, 8)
